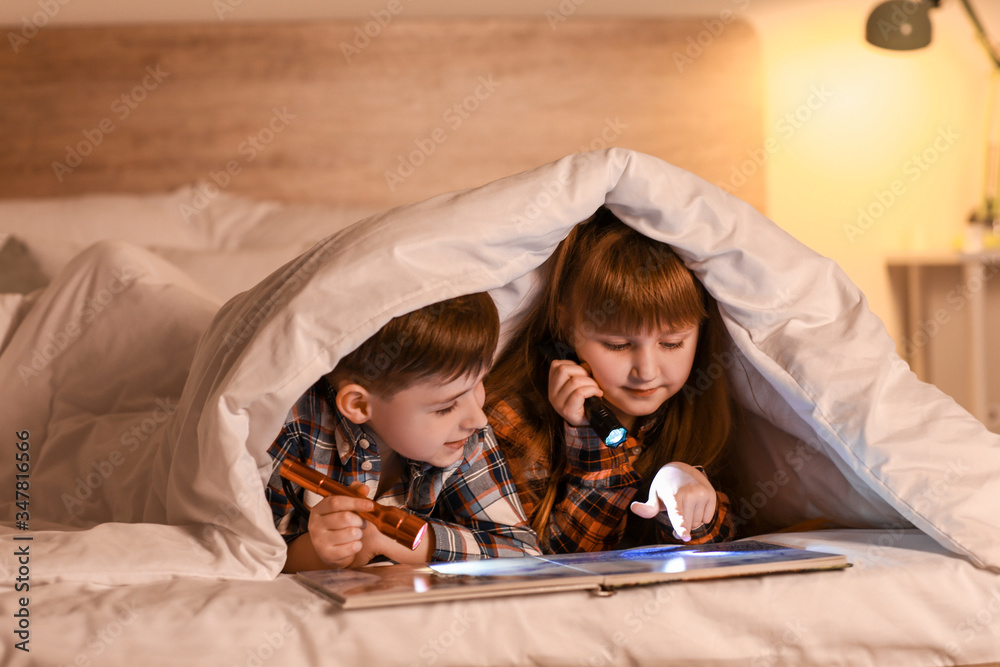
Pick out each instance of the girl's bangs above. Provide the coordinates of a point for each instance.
(642, 287)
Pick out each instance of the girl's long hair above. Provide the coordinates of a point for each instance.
(607, 276)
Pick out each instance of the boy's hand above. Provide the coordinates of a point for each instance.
(336, 531)
(373, 543)
(685, 493)
(569, 385)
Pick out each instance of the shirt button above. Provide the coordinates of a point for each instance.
(366, 465)
(363, 443)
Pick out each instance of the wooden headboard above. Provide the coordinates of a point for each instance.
(365, 113)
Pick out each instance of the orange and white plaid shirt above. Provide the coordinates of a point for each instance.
(599, 484)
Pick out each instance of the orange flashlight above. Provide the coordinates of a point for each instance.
(407, 529)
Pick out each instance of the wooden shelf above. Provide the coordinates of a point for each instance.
(964, 305)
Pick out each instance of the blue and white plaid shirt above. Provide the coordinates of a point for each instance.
(472, 505)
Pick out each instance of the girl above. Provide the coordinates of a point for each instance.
(643, 329)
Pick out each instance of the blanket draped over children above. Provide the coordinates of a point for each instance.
(837, 425)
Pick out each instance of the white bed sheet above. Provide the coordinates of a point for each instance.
(905, 602)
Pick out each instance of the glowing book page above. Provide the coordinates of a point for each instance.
(378, 586)
(654, 564)
(381, 586)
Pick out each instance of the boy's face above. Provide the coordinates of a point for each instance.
(430, 421)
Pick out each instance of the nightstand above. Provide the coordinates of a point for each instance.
(949, 306)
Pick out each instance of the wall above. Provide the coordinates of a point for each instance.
(103, 11)
(870, 153)
(876, 152)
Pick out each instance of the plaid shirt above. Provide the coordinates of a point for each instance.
(471, 505)
(599, 485)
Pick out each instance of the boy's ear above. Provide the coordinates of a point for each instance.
(354, 402)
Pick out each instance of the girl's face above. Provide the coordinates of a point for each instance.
(637, 372)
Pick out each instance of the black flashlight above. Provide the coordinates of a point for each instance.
(602, 420)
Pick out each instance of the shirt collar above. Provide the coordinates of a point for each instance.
(426, 481)
(350, 437)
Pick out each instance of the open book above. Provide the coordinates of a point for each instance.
(601, 572)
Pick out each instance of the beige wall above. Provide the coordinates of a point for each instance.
(883, 152)
(102, 11)
(879, 154)
(868, 154)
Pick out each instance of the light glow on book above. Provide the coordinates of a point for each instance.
(675, 565)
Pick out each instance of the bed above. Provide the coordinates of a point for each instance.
(166, 298)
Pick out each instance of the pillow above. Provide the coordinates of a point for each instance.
(49, 254)
(302, 223)
(235, 221)
(226, 273)
(142, 219)
(13, 307)
(200, 216)
(224, 218)
(223, 273)
(19, 272)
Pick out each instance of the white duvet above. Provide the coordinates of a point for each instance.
(148, 413)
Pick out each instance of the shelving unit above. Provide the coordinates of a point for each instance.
(944, 299)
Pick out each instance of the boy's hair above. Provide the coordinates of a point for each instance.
(608, 276)
(445, 340)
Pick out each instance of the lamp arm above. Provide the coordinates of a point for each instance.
(990, 49)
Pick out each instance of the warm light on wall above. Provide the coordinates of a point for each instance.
(904, 25)
(870, 111)
(873, 152)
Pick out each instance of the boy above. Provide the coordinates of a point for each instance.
(401, 419)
